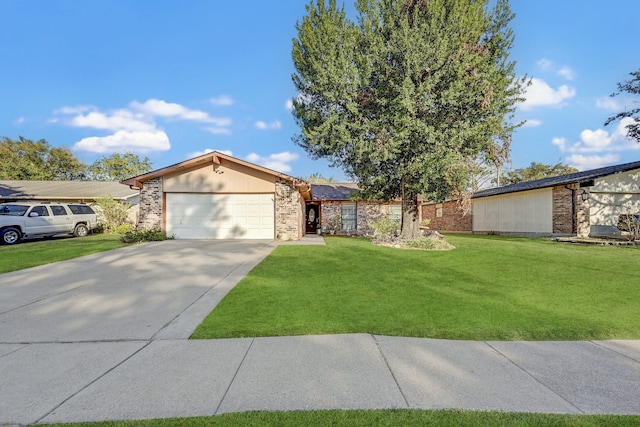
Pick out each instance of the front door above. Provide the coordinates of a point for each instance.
(313, 212)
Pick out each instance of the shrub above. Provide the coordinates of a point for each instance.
(144, 235)
(124, 228)
(385, 228)
(111, 213)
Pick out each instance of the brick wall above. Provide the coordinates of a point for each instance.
(150, 214)
(290, 211)
(366, 212)
(447, 216)
(562, 211)
(564, 221)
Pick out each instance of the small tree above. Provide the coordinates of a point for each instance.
(536, 171)
(112, 213)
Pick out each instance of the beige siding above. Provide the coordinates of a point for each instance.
(226, 178)
(524, 212)
(611, 196)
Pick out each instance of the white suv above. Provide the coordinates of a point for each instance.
(24, 220)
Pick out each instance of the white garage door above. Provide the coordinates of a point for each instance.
(220, 216)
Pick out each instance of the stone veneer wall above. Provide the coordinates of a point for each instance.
(150, 215)
(452, 219)
(366, 212)
(563, 214)
(290, 211)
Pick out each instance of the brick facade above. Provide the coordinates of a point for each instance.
(290, 208)
(151, 202)
(366, 212)
(447, 216)
(570, 212)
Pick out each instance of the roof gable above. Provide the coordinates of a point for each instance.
(213, 158)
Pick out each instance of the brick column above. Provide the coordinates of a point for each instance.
(583, 220)
(289, 211)
(563, 221)
(151, 204)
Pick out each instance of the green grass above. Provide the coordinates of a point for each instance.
(451, 418)
(38, 252)
(488, 288)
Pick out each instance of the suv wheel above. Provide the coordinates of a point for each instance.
(10, 236)
(81, 230)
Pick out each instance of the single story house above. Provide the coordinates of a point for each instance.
(582, 203)
(217, 196)
(65, 191)
(69, 191)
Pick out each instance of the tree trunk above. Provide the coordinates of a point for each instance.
(410, 225)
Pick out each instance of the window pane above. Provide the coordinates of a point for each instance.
(58, 210)
(348, 216)
(395, 213)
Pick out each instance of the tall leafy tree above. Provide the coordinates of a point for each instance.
(405, 98)
(118, 167)
(632, 87)
(24, 159)
(536, 171)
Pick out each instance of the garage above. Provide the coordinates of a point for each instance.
(217, 196)
(220, 216)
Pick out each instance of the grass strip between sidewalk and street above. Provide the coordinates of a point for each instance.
(488, 288)
(33, 253)
(373, 418)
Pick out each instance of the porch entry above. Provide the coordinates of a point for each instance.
(312, 217)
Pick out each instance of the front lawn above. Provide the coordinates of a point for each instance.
(489, 288)
(38, 252)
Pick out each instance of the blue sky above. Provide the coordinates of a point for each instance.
(171, 80)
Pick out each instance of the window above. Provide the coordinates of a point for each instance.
(80, 209)
(13, 210)
(348, 216)
(395, 213)
(40, 210)
(439, 210)
(58, 210)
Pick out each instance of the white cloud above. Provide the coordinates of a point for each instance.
(134, 128)
(288, 104)
(222, 101)
(582, 162)
(218, 131)
(266, 126)
(609, 104)
(278, 161)
(137, 142)
(118, 120)
(597, 147)
(20, 120)
(567, 73)
(532, 123)
(540, 94)
(545, 64)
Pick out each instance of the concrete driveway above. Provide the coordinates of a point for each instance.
(158, 289)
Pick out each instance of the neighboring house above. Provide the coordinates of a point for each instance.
(337, 207)
(70, 191)
(65, 191)
(216, 196)
(583, 203)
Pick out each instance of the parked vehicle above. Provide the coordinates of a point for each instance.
(26, 220)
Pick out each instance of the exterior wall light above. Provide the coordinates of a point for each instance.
(584, 195)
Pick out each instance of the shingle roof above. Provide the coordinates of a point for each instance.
(572, 178)
(64, 190)
(341, 191)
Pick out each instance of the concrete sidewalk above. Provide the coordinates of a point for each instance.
(66, 358)
(71, 382)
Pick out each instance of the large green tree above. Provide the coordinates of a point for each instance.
(118, 167)
(405, 98)
(24, 159)
(536, 171)
(632, 87)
